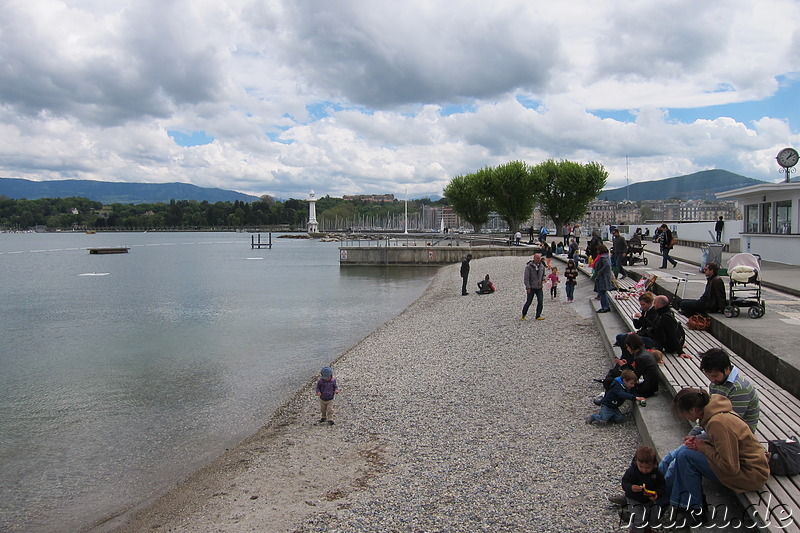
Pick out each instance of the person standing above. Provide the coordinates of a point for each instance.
(620, 247)
(534, 276)
(327, 389)
(603, 278)
(566, 232)
(465, 274)
(665, 238)
(718, 227)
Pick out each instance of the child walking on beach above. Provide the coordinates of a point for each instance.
(553, 279)
(326, 390)
(614, 398)
(571, 273)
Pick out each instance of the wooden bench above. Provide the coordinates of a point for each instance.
(777, 506)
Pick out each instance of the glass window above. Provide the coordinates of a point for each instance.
(766, 218)
(783, 216)
(751, 218)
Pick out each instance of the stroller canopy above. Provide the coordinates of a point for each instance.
(743, 267)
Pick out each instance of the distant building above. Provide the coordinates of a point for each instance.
(369, 198)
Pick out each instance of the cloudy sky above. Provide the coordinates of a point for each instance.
(364, 96)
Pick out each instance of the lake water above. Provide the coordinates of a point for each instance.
(121, 374)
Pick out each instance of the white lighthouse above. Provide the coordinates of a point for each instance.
(312, 213)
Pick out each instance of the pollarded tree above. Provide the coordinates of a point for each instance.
(510, 186)
(563, 189)
(468, 200)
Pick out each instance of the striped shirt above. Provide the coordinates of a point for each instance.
(742, 395)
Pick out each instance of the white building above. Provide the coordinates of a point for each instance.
(770, 220)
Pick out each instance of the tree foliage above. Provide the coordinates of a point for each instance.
(467, 198)
(510, 187)
(563, 189)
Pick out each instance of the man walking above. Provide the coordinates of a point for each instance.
(533, 278)
(465, 274)
(620, 253)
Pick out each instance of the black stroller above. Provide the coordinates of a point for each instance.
(745, 287)
(636, 252)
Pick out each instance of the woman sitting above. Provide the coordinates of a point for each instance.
(729, 454)
(485, 286)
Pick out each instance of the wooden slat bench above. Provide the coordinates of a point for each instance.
(777, 506)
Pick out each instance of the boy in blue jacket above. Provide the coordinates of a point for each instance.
(614, 398)
(644, 486)
(326, 390)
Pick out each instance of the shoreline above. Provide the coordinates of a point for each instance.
(432, 400)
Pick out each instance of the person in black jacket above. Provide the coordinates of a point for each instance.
(465, 274)
(666, 333)
(643, 484)
(713, 298)
(645, 366)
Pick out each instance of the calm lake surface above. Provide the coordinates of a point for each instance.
(121, 374)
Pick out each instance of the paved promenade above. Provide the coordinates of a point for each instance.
(773, 337)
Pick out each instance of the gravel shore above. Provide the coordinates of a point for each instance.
(454, 416)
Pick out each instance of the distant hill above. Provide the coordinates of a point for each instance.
(113, 193)
(698, 186)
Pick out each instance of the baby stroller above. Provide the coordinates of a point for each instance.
(745, 288)
(636, 252)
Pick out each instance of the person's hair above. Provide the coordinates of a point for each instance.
(628, 375)
(601, 249)
(688, 399)
(487, 276)
(634, 342)
(570, 262)
(715, 359)
(647, 296)
(645, 454)
(658, 355)
(555, 269)
(714, 267)
(469, 256)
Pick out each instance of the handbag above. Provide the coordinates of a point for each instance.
(699, 323)
(784, 457)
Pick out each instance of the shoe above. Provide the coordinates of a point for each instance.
(539, 318)
(674, 265)
(589, 419)
(603, 310)
(330, 422)
(464, 294)
(523, 318)
(597, 380)
(619, 499)
(321, 420)
(598, 400)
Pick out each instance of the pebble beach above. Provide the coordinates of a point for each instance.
(454, 416)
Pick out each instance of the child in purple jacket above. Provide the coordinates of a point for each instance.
(326, 390)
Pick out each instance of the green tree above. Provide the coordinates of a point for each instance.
(468, 199)
(510, 187)
(563, 189)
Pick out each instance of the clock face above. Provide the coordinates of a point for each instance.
(787, 157)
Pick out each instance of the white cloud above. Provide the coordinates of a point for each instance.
(354, 96)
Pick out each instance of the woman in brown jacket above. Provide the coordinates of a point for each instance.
(729, 454)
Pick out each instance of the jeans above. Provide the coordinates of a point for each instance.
(609, 414)
(684, 470)
(605, 301)
(619, 259)
(539, 302)
(570, 288)
(665, 257)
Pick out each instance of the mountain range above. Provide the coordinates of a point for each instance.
(698, 186)
(701, 185)
(117, 193)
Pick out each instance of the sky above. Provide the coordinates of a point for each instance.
(281, 97)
